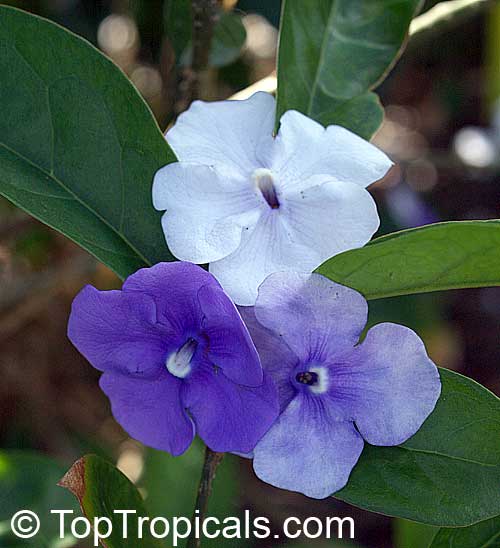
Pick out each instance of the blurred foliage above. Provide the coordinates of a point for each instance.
(170, 485)
(101, 489)
(439, 89)
(29, 480)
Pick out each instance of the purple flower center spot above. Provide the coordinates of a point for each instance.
(179, 362)
(313, 378)
(264, 182)
(307, 377)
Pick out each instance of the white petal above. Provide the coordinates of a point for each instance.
(205, 212)
(268, 248)
(225, 133)
(304, 148)
(330, 216)
(313, 223)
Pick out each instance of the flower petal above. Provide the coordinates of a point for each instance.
(117, 332)
(205, 210)
(174, 288)
(276, 357)
(390, 385)
(231, 347)
(228, 416)
(307, 451)
(304, 148)
(268, 248)
(224, 133)
(150, 410)
(330, 216)
(317, 318)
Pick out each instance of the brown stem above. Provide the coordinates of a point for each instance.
(205, 15)
(210, 465)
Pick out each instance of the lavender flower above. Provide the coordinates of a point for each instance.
(176, 358)
(334, 393)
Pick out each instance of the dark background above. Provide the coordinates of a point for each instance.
(440, 129)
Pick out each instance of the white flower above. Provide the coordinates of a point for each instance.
(251, 204)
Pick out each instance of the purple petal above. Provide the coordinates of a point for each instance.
(228, 416)
(390, 385)
(174, 288)
(307, 451)
(230, 347)
(277, 359)
(116, 331)
(150, 410)
(316, 317)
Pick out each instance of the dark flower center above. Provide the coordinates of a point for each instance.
(265, 183)
(307, 377)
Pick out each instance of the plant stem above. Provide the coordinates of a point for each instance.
(210, 465)
(205, 15)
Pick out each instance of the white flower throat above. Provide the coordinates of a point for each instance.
(264, 181)
(315, 378)
(179, 362)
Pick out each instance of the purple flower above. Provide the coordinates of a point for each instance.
(177, 358)
(334, 393)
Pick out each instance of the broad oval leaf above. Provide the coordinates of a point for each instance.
(485, 534)
(101, 489)
(434, 257)
(331, 56)
(448, 473)
(28, 481)
(78, 145)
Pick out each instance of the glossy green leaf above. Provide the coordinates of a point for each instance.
(101, 489)
(485, 534)
(28, 481)
(448, 473)
(78, 145)
(333, 52)
(430, 258)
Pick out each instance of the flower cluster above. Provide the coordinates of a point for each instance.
(283, 378)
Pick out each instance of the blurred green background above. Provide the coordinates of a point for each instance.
(442, 127)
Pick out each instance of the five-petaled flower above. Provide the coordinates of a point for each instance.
(251, 204)
(177, 358)
(334, 393)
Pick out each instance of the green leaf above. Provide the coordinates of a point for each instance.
(485, 534)
(334, 52)
(78, 145)
(410, 534)
(100, 489)
(430, 258)
(448, 473)
(363, 114)
(229, 38)
(179, 477)
(28, 481)
(227, 41)
(178, 24)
